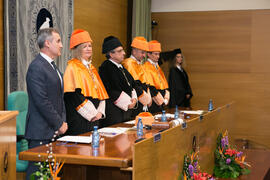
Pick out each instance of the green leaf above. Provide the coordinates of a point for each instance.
(230, 168)
(235, 174)
(245, 171)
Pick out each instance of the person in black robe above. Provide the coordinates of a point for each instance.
(179, 86)
(119, 83)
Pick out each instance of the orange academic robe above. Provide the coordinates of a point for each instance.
(84, 93)
(157, 83)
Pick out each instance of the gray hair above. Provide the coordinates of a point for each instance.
(45, 34)
(107, 55)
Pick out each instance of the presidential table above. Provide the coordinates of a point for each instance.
(159, 155)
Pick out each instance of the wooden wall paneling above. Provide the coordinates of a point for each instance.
(214, 41)
(101, 18)
(260, 41)
(260, 75)
(227, 59)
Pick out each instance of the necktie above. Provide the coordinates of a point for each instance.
(122, 70)
(58, 72)
(56, 69)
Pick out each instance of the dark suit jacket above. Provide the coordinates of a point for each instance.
(179, 87)
(46, 110)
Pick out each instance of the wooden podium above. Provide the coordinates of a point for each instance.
(162, 156)
(8, 145)
(158, 156)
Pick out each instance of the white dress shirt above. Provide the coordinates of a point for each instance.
(50, 60)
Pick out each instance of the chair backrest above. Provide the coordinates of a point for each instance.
(18, 100)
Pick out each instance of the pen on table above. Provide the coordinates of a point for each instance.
(108, 133)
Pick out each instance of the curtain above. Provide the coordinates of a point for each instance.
(141, 25)
(22, 21)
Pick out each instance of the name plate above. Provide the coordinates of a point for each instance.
(138, 140)
(184, 125)
(201, 117)
(157, 137)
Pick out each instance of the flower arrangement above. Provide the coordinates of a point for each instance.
(55, 169)
(49, 169)
(229, 163)
(42, 173)
(191, 169)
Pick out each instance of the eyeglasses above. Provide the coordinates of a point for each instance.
(118, 51)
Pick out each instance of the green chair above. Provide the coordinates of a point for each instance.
(18, 100)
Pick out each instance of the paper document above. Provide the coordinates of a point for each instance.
(77, 139)
(130, 122)
(111, 132)
(193, 112)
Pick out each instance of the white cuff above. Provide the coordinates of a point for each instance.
(134, 94)
(167, 95)
(145, 98)
(87, 110)
(123, 101)
(101, 108)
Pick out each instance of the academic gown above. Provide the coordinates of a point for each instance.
(157, 83)
(115, 82)
(79, 88)
(138, 73)
(179, 87)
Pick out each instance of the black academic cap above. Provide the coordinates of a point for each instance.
(110, 43)
(177, 51)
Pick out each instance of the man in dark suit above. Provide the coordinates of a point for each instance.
(46, 116)
(120, 85)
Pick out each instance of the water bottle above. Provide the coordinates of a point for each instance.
(210, 105)
(163, 116)
(176, 113)
(95, 151)
(95, 137)
(140, 127)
